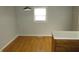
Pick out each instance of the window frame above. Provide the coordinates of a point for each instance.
(41, 15)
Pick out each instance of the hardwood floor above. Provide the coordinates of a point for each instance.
(31, 44)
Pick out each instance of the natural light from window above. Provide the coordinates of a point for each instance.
(40, 14)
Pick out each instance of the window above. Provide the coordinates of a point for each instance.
(40, 14)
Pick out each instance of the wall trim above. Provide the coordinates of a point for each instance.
(35, 35)
(8, 43)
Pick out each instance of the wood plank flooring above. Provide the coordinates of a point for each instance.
(31, 44)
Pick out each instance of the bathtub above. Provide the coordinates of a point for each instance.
(70, 35)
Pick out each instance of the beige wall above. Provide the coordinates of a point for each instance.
(7, 24)
(58, 18)
(75, 14)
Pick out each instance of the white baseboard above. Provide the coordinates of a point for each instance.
(36, 35)
(8, 43)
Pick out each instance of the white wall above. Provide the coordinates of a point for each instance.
(58, 18)
(7, 24)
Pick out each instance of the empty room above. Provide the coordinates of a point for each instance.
(39, 28)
